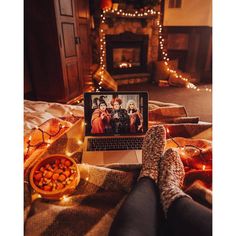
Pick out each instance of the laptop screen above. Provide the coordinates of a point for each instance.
(116, 113)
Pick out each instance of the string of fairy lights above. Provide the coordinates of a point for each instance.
(120, 13)
(197, 150)
(43, 141)
(163, 50)
(166, 59)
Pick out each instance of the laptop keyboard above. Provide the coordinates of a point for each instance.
(107, 144)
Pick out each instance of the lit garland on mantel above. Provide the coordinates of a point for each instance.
(136, 14)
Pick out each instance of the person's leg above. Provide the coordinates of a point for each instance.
(184, 215)
(141, 212)
(187, 217)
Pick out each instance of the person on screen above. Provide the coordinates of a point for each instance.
(100, 120)
(136, 118)
(119, 117)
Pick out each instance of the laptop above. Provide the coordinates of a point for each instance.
(115, 125)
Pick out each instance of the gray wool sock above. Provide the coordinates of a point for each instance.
(153, 148)
(171, 177)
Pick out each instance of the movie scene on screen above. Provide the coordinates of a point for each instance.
(116, 114)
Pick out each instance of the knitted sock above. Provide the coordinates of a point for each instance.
(171, 177)
(153, 147)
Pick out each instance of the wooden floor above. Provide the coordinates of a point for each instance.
(197, 103)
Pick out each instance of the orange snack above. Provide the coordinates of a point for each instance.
(58, 171)
(67, 163)
(61, 177)
(48, 174)
(55, 176)
(66, 173)
(63, 160)
(60, 186)
(38, 176)
(49, 167)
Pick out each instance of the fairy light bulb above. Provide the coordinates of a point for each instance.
(65, 198)
(48, 143)
(167, 131)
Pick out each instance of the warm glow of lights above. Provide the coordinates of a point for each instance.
(167, 131)
(182, 152)
(203, 167)
(36, 196)
(65, 198)
(68, 153)
(125, 65)
(43, 141)
(80, 142)
(102, 34)
(165, 57)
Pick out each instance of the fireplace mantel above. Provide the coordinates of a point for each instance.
(112, 15)
(111, 18)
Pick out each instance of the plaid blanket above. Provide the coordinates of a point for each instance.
(99, 195)
(89, 211)
(101, 191)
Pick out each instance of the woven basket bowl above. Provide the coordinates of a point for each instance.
(55, 194)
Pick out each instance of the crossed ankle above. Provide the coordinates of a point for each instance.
(150, 173)
(169, 196)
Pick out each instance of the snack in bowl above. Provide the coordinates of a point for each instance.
(55, 176)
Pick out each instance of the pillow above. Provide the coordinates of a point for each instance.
(108, 82)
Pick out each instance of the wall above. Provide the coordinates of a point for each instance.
(192, 13)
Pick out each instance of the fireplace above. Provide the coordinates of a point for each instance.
(126, 53)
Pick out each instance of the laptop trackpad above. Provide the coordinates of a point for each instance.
(127, 157)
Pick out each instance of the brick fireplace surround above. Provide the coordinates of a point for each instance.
(146, 26)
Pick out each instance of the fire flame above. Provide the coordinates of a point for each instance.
(125, 65)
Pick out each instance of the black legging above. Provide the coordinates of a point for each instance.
(141, 214)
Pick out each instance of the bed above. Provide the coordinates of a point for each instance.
(93, 205)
